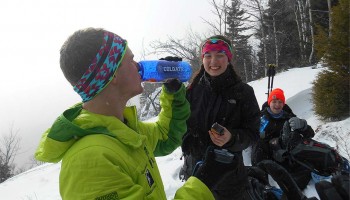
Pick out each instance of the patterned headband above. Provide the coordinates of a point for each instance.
(103, 67)
(216, 44)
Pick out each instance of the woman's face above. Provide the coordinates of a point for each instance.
(276, 106)
(215, 63)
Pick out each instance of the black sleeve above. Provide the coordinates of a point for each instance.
(309, 132)
(248, 132)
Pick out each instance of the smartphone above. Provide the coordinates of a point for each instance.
(217, 128)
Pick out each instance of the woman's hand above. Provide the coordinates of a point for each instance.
(220, 140)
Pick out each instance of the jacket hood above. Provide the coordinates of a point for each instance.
(75, 123)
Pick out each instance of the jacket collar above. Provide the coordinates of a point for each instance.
(219, 83)
(75, 123)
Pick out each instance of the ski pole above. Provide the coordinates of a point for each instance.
(273, 72)
(268, 82)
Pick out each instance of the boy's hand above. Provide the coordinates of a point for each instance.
(172, 85)
(296, 123)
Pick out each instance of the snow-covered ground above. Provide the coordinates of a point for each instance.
(41, 183)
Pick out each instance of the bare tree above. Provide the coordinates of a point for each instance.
(256, 10)
(302, 8)
(296, 14)
(143, 51)
(275, 38)
(329, 17)
(186, 48)
(150, 105)
(34, 162)
(312, 33)
(9, 147)
(220, 10)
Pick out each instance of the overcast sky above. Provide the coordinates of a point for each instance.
(33, 89)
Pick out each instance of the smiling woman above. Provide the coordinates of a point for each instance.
(219, 97)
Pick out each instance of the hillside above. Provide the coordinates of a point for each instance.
(41, 183)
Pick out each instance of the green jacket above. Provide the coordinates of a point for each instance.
(104, 158)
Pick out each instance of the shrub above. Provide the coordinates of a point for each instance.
(331, 96)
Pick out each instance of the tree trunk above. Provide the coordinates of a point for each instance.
(252, 70)
(296, 13)
(311, 32)
(245, 71)
(263, 36)
(9, 147)
(257, 6)
(275, 38)
(265, 51)
(303, 26)
(329, 18)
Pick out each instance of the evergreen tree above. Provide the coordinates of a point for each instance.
(334, 49)
(331, 88)
(236, 21)
(282, 35)
(320, 12)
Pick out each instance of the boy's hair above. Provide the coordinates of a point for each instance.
(78, 51)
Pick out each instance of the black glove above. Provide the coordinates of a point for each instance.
(172, 85)
(289, 138)
(286, 135)
(212, 170)
(171, 58)
(297, 124)
(278, 153)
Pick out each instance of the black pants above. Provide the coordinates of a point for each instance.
(230, 191)
(301, 176)
(260, 151)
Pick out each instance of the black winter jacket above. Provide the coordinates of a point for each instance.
(263, 150)
(275, 126)
(230, 102)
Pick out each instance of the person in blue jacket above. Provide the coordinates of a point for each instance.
(106, 152)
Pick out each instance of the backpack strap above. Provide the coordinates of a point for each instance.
(342, 185)
(326, 191)
(282, 177)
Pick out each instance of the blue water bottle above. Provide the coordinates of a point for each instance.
(159, 70)
(264, 121)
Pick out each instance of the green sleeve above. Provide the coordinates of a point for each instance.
(176, 108)
(165, 135)
(194, 189)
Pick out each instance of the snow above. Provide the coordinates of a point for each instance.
(41, 183)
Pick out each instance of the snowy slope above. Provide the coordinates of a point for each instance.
(41, 183)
